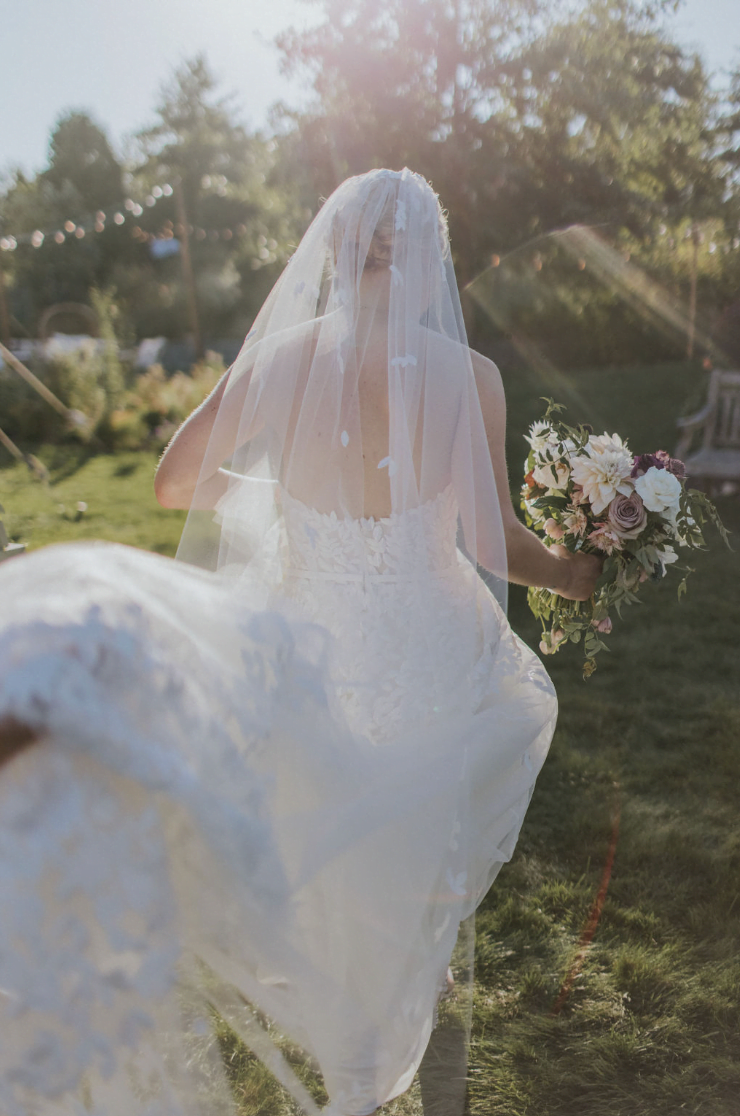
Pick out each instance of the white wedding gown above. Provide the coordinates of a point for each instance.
(310, 799)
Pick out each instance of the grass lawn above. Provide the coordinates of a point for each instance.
(118, 492)
(651, 1026)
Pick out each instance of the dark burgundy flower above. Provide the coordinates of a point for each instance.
(672, 464)
(658, 460)
(644, 461)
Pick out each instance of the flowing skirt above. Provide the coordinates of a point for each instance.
(308, 800)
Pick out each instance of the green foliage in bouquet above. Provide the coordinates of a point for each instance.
(587, 492)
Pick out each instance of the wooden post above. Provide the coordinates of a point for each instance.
(695, 237)
(35, 383)
(187, 267)
(4, 315)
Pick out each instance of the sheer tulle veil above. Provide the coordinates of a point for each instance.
(267, 795)
(354, 394)
(305, 411)
(311, 850)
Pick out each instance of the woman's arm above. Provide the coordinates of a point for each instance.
(192, 460)
(529, 561)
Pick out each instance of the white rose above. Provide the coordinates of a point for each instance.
(660, 490)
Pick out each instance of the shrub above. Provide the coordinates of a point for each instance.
(156, 404)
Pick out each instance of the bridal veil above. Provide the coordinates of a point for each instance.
(331, 737)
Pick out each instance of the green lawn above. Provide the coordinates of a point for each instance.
(652, 1025)
(118, 492)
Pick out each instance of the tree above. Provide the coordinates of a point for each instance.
(416, 82)
(221, 176)
(83, 176)
(81, 157)
(524, 119)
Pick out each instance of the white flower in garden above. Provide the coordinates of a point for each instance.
(553, 475)
(603, 475)
(660, 490)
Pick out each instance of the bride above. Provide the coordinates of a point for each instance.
(339, 729)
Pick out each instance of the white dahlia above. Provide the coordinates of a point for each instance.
(602, 476)
(607, 443)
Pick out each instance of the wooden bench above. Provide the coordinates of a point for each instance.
(709, 444)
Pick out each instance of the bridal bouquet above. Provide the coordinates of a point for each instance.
(588, 492)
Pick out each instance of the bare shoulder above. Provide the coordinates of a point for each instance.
(488, 381)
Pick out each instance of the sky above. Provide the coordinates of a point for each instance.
(110, 58)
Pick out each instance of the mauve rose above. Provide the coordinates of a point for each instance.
(627, 515)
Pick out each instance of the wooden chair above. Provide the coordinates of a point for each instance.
(709, 444)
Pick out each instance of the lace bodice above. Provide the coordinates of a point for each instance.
(411, 642)
(397, 545)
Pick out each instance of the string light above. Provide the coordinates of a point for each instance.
(96, 223)
(129, 208)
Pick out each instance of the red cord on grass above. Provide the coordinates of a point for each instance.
(593, 919)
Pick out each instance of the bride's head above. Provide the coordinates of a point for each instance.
(380, 217)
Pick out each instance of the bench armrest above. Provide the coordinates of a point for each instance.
(690, 422)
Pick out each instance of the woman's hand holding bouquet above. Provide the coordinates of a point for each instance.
(589, 496)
